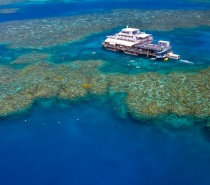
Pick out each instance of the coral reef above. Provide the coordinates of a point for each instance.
(31, 58)
(8, 10)
(53, 31)
(147, 96)
(198, 1)
(86, 86)
(5, 2)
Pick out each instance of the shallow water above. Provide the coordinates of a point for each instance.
(194, 52)
(96, 142)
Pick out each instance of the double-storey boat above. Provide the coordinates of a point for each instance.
(135, 42)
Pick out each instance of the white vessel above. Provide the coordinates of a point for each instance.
(134, 42)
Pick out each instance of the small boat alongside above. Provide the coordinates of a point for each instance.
(173, 56)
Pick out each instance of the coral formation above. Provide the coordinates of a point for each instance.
(53, 31)
(31, 58)
(5, 2)
(148, 95)
(198, 1)
(86, 86)
(8, 10)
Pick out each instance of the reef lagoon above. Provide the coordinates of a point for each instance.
(72, 112)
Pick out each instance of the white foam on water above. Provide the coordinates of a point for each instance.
(186, 61)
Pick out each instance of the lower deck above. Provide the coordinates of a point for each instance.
(135, 50)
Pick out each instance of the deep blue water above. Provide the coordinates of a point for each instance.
(41, 9)
(91, 142)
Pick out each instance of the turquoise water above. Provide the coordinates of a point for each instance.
(185, 42)
(96, 142)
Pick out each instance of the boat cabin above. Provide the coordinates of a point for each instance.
(119, 43)
(130, 31)
(133, 34)
(165, 44)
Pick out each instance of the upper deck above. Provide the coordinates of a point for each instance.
(133, 35)
(130, 31)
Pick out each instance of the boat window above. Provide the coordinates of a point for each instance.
(135, 32)
(126, 32)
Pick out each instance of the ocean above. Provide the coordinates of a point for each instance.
(96, 140)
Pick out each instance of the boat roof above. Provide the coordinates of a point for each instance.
(130, 29)
(143, 35)
(120, 42)
(163, 41)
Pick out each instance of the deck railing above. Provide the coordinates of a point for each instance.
(130, 50)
